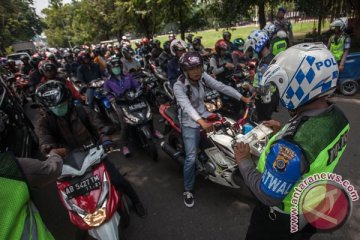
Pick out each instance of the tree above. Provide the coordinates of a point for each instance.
(18, 22)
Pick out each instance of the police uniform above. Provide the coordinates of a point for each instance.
(338, 45)
(288, 158)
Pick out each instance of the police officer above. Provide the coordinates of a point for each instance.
(283, 24)
(257, 45)
(339, 43)
(279, 41)
(290, 155)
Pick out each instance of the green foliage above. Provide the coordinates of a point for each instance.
(18, 22)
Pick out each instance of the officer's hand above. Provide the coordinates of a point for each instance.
(242, 152)
(273, 124)
(63, 152)
(208, 127)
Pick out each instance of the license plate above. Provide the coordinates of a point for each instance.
(83, 187)
(137, 106)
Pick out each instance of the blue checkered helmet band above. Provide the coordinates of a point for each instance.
(303, 88)
(259, 38)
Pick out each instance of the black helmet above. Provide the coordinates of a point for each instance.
(190, 60)
(24, 58)
(126, 51)
(46, 67)
(226, 35)
(54, 96)
(189, 37)
(35, 60)
(68, 56)
(114, 65)
(197, 43)
(166, 47)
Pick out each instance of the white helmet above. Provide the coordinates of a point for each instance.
(270, 29)
(177, 45)
(301, 73)
(256, 40)
(340, 22)
(281, 34)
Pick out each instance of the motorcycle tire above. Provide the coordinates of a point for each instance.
(349, 87)
(149, 147)
(124, 211)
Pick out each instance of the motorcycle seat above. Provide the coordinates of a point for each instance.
(76, 159)
(172, 113)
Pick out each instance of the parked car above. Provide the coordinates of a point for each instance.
(348, 83)
(16, 57)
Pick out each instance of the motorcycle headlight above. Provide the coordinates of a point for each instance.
(96, 218)
(210, 107)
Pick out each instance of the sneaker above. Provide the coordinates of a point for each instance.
(140, 210)
(189, 200)
(126, 151)
(158, 134)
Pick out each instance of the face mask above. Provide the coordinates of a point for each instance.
(116, 71)
(60, 110)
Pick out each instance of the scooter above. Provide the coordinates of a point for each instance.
(85, 190)
(137, 113)
(216, 160)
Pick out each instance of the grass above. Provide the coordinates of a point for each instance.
(209, 37)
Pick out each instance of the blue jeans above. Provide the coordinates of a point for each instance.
(191, 139)
(90, 97)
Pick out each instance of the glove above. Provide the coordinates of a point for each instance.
(108, 145)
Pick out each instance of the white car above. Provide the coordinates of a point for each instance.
(16, 57)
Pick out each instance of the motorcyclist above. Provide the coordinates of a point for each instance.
(128, 62)
(189, 94)
(11, 66)
(145, 47)
(238, 57)
(312, 117)
(20, 219)
(99, 59)
(279, 41)
(257, 45)
(110, 51)
(49, 72)
(189, 43)
(177, 49)
(35, 75)
(198, 47)
(70, 65)
(87, 72)
(72, 126)
(157, 50)
(221, 62)
(171, 37)
(339, 43)
(227, 39)
(165, 56)
(52, 58)
(137, 47)
(26, 66)
(283, 24)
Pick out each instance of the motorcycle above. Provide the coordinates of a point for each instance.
(85, 190)
(101, 102)
(216, 160)
(137, 113)
(20, 136)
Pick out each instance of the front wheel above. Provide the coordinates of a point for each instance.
(148, 144)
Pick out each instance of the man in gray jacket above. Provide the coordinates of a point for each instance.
(189, 93)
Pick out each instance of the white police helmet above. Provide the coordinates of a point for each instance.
(301, 73)
(256, 41)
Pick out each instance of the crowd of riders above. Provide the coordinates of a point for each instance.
(68, 118)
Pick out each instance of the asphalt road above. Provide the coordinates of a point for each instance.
(219, 212)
